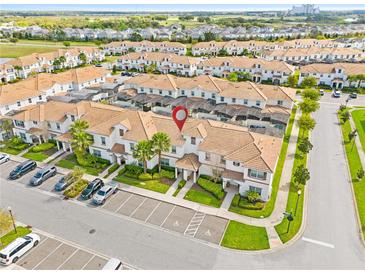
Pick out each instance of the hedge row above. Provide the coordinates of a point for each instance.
(215, 189)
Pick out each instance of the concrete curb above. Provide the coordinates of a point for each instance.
(352, 188)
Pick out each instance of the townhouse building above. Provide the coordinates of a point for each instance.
(164, 62)
(144, 46)
(7, 73)
(200, 148)
(244, 103)
(334, 75)
(259, 69)
(313, 55)
(45, 62)
(38, 88)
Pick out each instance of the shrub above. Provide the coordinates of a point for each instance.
(156, 176)
(215, 189)
(181, 184)
(168, 168)
(242, 202)
(210, 178)
(134, 169)
(76, 189)
(145, 176)
(122, 171)
(235, 200)
(252, 196)
(42, 147)
(113, 168)
(131, 175)
(167, 174)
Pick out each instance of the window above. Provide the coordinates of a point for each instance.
(223, 161)
(245, 101)
(165, 162)
(97, 153)
(203, 94)
(257, 174)
(23, 136)
(233, 100)
(173, 149)
(236, 163)
(160, 92)
(222, 99)
(7, 107)
(35, 123)
(192, 93)
(255, 189)
(258, 103)
(49, 125)
(30, 100)
(170, 93)
(40, 97)
(280, 102)
(131, 146)
(19, 123)
(73, 118)
(207, 156)
(103, 141)
(18, 104)
(121, 132)
(213, 96)
(193, 140)
(58, 126)
(183, 92)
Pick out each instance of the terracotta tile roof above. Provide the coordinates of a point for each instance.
(66, 137)
(348, 68)
(145, 43)
(188, 161)
(118, 148)
(232, 175)
(160, 56)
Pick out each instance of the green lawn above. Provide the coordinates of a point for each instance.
(354, 165)
(269, 206)
(37, 156)
(11, 236)
(181, 184)
(154, 184)
(70, 162)
(13, 51)
(203, 197)
(359, 119)
(9, 150)
(245, 237)
(55, 43)
(281, 228)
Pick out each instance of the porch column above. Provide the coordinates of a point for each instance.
(175, 172)
(40, 139)
(224, 183)
(194, 176)
(58, 146)
(70, 148)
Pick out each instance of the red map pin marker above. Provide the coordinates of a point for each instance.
(180, 114)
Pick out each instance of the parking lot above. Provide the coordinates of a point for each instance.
(159, 213)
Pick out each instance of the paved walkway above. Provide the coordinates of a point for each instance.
(359, 147)
(184, 190)
(173, 187)
(231, 192)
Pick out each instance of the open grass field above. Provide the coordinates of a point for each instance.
(14, 50)
(245, 237)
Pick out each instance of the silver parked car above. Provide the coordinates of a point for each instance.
(104, 193)
(4, 158)
(42, 175)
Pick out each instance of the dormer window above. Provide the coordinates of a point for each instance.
(193, 140)
(72, 118)
(121, 132)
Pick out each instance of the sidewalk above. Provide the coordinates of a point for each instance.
(185, 189)
(173, 187)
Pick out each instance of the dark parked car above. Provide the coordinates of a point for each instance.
(353, 95)
(98, 65)
(92, 188)
(42, 175)
(63, 183)
(126, 73)
(22, 169)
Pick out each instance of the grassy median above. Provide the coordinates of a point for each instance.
(11, 236)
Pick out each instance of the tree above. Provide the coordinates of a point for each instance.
(311, 94)
(66, 44)
(136, 37)
(150, 69)
(143, 152)
(305, 146)
(7, 126)
(13, 40)
(82, 57)
(306, 123)
(345, 116)
(308, 106)
(5, 223)
(252, 196)
(293, 80)
(244, 76)
(160, 143)
(233, 77)
(356, 78)
(209, 36)
(62, 60)
(309, 82)
(56, 63)
(301, 175)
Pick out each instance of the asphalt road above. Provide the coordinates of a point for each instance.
(332, 239)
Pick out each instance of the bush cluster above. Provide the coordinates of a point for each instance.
(244, 203)
(42, 147)
(215, 189)
(76, 188)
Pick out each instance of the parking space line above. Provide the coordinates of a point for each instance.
(138, 206)
(48, 255)
(168, 215)
(224, 232)
(123, 203)
(69, 257)
(32, 250)
(110, 199)
(153, 211)
(92, 257)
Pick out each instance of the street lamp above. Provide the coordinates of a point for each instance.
(12, 218)
(289, 217)
(296, 205)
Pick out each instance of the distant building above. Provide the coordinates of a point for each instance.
(304, 10)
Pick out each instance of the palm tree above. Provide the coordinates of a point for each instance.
(143, 152)
(80, 139)
(160, 143)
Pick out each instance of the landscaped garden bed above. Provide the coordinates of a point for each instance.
(94, 167)
(206, 192)
(133, 175)
(245, 237)
(76, 188)
(41, 152)
(14, 146)
(241, 204)
(111, 170)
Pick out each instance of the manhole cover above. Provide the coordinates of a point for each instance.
(92, 231)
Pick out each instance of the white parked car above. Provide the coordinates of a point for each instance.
(336, 94)
(113, 264)
(17, 248)
(104, 193)
(4, 158)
